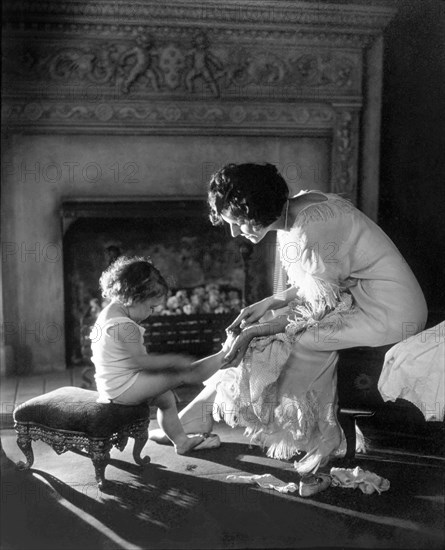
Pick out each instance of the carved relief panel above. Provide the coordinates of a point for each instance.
(142, 66)
(269, 68)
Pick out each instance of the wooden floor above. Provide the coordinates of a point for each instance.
(15, 390)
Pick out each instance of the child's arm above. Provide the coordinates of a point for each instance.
(126, 343)
(157, 362)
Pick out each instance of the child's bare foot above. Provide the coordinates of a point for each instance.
(194, 426)
(158, 436)
(188, 444)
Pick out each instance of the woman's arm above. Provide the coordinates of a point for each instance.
(242, 341)
(252, 314)
(282, 299)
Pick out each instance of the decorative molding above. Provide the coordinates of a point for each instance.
(171, 115)
(114, 65)
(345, 154)
(145, 66)
(309, 37)
(232, 13)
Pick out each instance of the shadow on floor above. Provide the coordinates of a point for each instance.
(178, 502)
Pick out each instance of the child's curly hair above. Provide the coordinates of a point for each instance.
(132, 279)
(255, 192)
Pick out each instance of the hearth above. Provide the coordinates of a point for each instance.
(210, 275)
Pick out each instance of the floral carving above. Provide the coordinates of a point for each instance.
(172, 62)
(97, 65)
(345, 171)
(159, 114)
(322, 70)
(260, 68)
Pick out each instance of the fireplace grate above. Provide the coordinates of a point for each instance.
(201, 334)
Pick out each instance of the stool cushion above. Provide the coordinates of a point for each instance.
(76, 409)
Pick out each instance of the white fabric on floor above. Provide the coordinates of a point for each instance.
(414, 370)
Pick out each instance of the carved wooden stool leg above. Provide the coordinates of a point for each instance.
(140, 439)
(24, 442)
(100, 455)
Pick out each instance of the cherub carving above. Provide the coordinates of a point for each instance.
(141, 57)
(205, 65)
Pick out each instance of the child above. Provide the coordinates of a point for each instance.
(125, 373)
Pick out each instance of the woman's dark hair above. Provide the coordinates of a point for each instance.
(132, 279)
(256, 192)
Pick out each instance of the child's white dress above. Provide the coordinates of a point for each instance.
(115, 343)
(355, 289)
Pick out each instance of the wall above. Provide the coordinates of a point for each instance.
(412, 188)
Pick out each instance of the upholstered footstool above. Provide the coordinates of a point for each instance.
(70, 419)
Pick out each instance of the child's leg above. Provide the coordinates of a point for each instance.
(148, 386)
(169, 422)
(195, 418)
(205, 368)
(142, 390)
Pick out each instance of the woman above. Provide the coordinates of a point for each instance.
(348, 286)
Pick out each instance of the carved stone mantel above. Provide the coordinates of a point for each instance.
(244, 68)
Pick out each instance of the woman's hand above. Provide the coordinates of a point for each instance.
(239, 347)
(250, 314)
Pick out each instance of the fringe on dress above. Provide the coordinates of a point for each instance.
(290, 423)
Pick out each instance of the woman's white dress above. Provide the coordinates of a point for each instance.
(354, 289)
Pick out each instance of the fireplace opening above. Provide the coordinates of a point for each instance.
(210, 275)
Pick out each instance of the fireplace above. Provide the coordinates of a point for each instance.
(210, 275)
